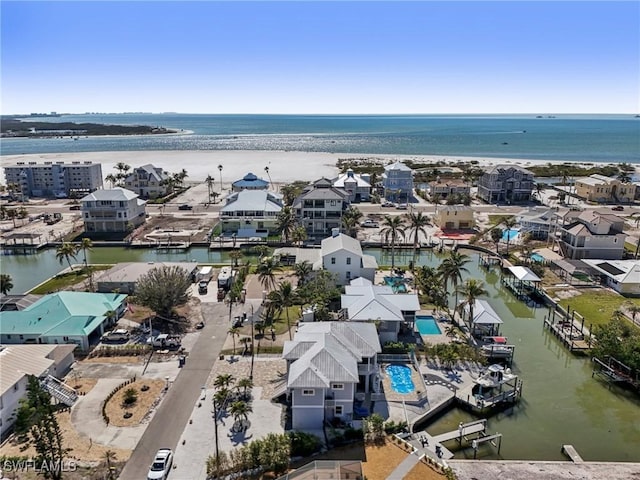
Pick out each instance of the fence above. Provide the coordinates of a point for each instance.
(105, 417)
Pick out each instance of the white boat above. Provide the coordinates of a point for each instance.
(494, 377)
(496, 347)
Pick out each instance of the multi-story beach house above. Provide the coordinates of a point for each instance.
(358, 186)
(250, 213)
(393, 312)
(320, 206)
(20, 361)
(444, 188)
(112, 210)
(329, 366)
(51, 179)
(397, 182)
(342, 255)
(505, 184)
(593, 235)
(454, 217)
(148, 181)
(601, 189)
(537, 221)
(249, 182)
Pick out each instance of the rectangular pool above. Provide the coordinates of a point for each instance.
(427, 325)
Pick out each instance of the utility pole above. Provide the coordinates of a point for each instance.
(253, 353)
(215, 429)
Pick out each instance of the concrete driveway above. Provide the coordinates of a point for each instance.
(174, 412)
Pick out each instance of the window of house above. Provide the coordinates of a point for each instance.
(15, 387)
(21, 337)
(308, 392)
(333, 260)
(348, 275)
(348, 260)
(338, 386)
(66, 339)
(332, 203)
(338, 410)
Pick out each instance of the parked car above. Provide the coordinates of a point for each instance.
(401, 206)
(199, 325)
(618, 208)
(368, 223)
(185, 206)
(203, 287)
(388, 204)
(74, 207)
(161, 465)
(117, 335)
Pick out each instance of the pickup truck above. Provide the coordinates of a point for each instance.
(368, 223)
(165, 341)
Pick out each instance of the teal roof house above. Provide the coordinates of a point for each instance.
(63, 317)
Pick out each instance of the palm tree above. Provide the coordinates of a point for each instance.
(286, 223)
(393, 229)
(416, 223)
(266, 271)
(66, 251)
(496, 235)
(266, 169)
(240, 411)
(471, 290)
(209, 182)
(122, 169)
(302, 271)
(234, 332)
(351, 221)
(634, 309)
(452, 269)
(283, 298)
(245, 384)
(299, 235)
(109, 456)
(6, 283)
(509, 223)
(12, 214)
(112, 179)
(224, 380)
(235, 255)
(261, 250)
(220, 170)
(85, 246)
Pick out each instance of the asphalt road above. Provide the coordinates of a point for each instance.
(172, 416)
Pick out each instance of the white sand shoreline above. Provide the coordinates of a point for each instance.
(284, 166)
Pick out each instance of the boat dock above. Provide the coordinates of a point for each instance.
(614, 371)
(572, 336)
(463, 431)
(572, 453)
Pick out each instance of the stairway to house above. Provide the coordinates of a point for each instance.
(58, 390)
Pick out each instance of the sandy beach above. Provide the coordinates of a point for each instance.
(284, 167)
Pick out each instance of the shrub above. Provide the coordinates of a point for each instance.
(130, 397)
(304, 444)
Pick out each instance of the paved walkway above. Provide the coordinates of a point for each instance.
(404, 468)
(174, 412)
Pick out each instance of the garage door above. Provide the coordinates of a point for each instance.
(307, 418)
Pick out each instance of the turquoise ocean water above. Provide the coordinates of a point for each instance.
(583, 138)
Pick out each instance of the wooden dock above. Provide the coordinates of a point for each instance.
(572, 453)
(463, 431)
(572, 337)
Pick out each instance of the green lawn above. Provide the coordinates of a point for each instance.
(597, 307)
(66, 280)
(497, 219)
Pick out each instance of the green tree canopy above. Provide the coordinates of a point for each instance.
(6, 283)
(164, 288)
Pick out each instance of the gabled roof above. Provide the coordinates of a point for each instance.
(154, 172)
(524, 274)
(505, 168)
(341, 242)
(349, 176)
(117, 194)
(398, 166)
(377, 302)
(483, 314)
(252, 200)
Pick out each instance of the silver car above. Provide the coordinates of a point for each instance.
(159, 469)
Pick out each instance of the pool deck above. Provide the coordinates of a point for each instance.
(434, 339)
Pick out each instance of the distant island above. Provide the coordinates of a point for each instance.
(13, 127)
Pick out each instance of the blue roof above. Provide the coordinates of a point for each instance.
(251, 181)
(61, 314)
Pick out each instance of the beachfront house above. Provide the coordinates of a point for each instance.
(446, 187)
(593, 235)
(397, 182)
(250, 213)
(80, 318)
(454, 217)
(54, 179)
(148, 181)
(329, 366)
(505, 184)
(537, 222)
(249, 182)
(602, 189)
(112, 210)
(320, 206)
(392, 312)
(623, 276)
(20, 361)
(358, 186)
(342, 255)
(123, 277)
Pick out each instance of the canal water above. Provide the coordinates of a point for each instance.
(561, 402)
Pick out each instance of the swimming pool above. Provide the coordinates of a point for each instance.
(427, 325)
(396, 283)
(536, 257)
(510, 234)
(400, 376)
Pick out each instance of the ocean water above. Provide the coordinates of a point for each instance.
(583, 138)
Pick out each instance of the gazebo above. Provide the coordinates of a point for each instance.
(485, 322)
(523, 283)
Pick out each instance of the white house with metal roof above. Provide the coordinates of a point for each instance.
(365, 302)
(148, 181)
(358, 186)
(251, 213)
(327, 364)
(20, 361)
(342, 255)
(621, 275)
(593, 235)
(112, 210)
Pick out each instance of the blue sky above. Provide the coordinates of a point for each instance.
(321, 57)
